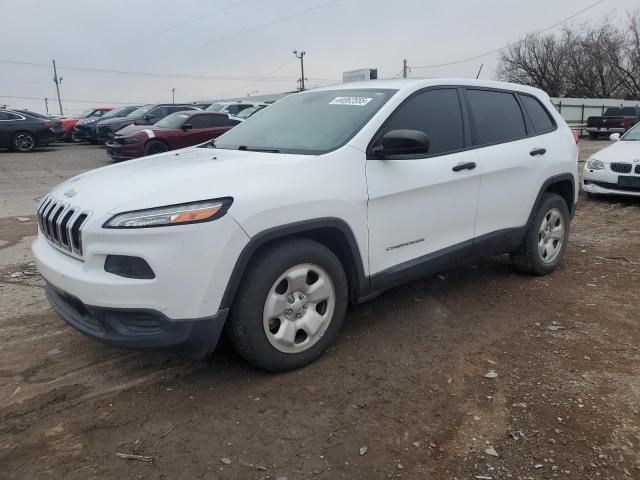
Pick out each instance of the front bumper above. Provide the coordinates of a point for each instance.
(117, 151)
(84, 133)
(605, 182)
(139, 328)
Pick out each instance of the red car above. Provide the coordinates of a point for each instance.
(69, 123)
(178, 130)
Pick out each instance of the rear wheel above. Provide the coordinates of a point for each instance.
(546, 238)
(155, 146)
(290, 305)
(23, 142)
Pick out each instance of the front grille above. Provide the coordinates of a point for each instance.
(62, 224)
(621, 167)
(638, 169)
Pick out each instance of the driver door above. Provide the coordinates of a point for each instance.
(422, 209)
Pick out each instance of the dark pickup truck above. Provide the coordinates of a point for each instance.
(614, 120)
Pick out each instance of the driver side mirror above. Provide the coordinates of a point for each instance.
(614, 137)
(148, 118)
(187, 126)
(402, 142)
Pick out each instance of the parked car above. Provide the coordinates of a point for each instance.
(248, 112)
(70, 123)
(327, 197)
(615, 170)
(23, 133)
(232, 108)
(178, 130)
(56, 123)
(145, 115)
(615, 120)
(85, 129)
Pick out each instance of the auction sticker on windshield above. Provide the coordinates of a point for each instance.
(354, 101)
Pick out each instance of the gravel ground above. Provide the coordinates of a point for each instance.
(402, 393)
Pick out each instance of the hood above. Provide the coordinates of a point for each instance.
(88, 121)
(133, 129)
(620, 151)
(171, 178)
(118, 121)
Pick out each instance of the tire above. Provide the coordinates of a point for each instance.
(551, 222)
(593, 136)
(155, 146)
(269, 309)
(23, 142)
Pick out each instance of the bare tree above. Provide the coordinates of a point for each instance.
(600, 61)
(536, 60)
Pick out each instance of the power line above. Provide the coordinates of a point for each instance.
(193, 20)
(253, 29)
(266, 77)
(464, 60)
(106, 102)
(149, 74)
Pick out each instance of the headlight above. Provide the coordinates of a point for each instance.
(129, 140)
(196, 212)
(595, 164)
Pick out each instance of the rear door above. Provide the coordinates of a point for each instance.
(510, 153)
(421, 208)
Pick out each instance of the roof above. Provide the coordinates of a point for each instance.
(414, 83)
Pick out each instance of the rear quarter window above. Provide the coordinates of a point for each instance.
(496, 116)
(539, 116)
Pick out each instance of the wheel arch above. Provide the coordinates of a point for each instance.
(155, 139)
(333, 233)
(564, 185)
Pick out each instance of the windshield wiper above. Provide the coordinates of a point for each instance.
(267, 150)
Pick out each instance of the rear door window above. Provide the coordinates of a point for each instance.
(200, 121)
(435, 112)
(539, 116)
(495, 117)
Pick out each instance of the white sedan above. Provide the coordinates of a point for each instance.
(615, 170)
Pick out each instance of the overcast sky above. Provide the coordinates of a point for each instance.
(190, 38)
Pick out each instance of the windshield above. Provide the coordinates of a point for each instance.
(175, 120)
(216, 107)
(139, 112)
(85, 113)
(113, 113)
(309, 123)
(247, 112)
(632, 135)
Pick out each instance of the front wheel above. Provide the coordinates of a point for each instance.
(290, 305)
(546, 239)
(23, 142)
(155, 146)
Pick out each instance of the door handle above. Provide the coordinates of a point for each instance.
(464, 166)
(538, 151)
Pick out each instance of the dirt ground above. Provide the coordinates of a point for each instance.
(402, 393)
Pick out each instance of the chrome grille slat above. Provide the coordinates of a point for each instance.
(61, 224)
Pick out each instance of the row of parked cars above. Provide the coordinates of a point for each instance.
(128, 132)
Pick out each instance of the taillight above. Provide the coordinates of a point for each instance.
(623, 123)
(576, 136)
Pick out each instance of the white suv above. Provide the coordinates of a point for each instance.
(328, 197)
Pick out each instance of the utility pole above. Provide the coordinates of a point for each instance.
(46, 104)
(57, 81)
(173, 95)
(301, 57)
(405, 68)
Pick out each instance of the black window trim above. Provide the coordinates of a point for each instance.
(11, 112)
(554, 124)
(466, 135)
